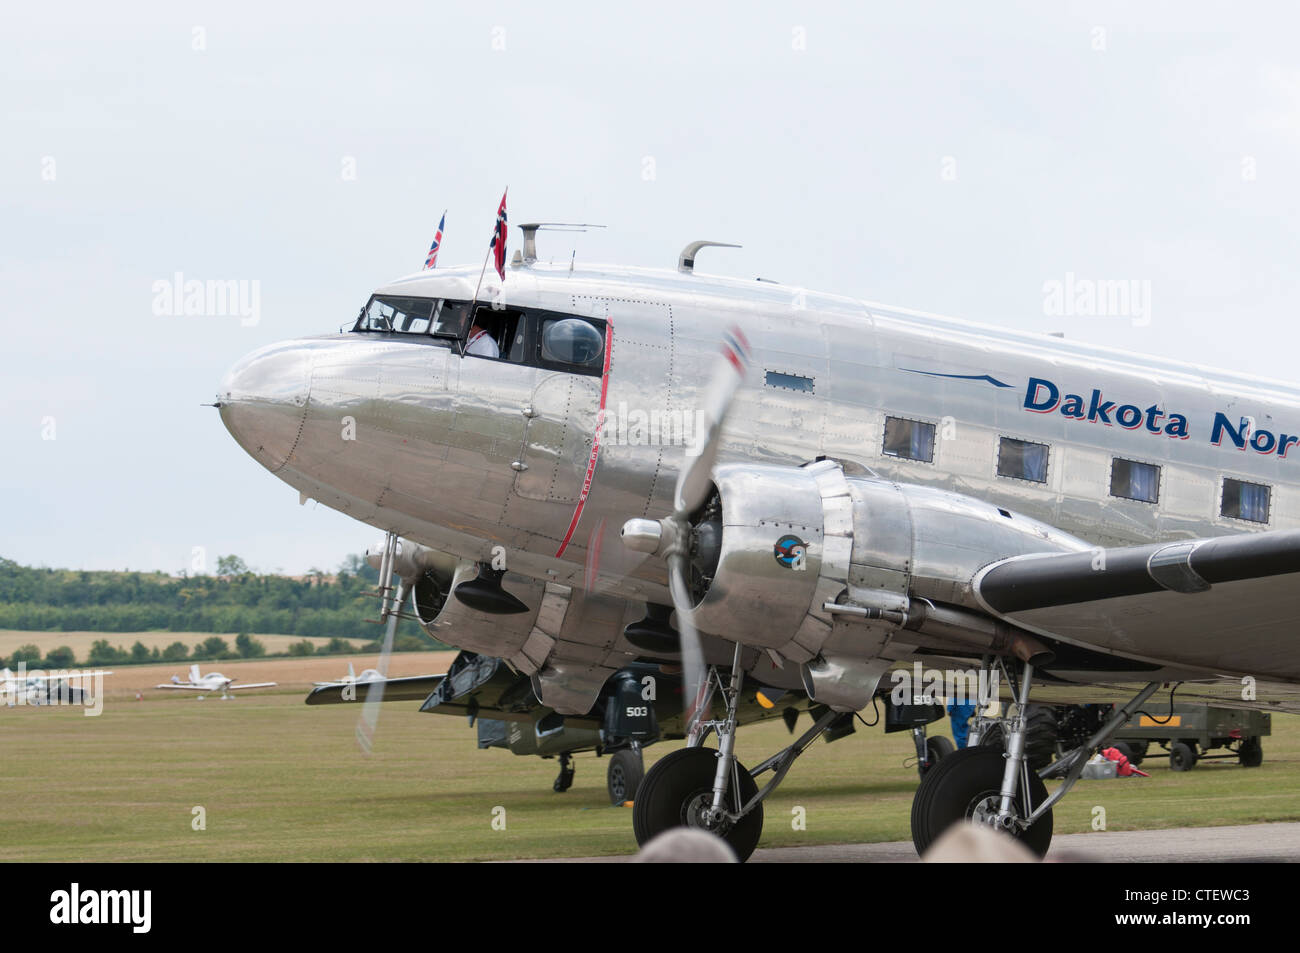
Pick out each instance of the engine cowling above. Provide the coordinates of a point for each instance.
(770, 549)
(434, 575)
(776, 544)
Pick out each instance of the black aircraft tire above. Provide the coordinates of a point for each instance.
(940, 747)
(951, 789)
(677, 780)
(624, 776)
(1251, 752)
(1181, 757)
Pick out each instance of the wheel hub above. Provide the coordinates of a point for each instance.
(985, 809)
(697, 812)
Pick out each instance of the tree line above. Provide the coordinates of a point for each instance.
(234, 600)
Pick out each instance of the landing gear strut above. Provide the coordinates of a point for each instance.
(988, 785)
(930, 751)
(709, 789)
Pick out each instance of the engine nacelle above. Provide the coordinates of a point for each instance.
(762, 548)
(776, 544)
(435, 575)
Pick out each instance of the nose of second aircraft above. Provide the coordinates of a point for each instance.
(263, 399)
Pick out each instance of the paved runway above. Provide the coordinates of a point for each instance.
(1248, 843)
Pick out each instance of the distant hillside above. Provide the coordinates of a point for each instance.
(318, 605)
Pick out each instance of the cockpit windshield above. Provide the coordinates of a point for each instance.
(393, 314)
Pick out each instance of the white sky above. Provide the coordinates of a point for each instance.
(827, 163)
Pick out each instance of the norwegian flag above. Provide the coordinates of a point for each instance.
(498, 245)
(432, 258)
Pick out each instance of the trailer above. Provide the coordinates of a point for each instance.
(1190, 731)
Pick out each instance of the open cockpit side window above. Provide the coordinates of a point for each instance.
(499, 333)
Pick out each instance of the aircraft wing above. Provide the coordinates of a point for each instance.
(1225, 605)
(406, 689)
(187, 687)
(236, 688)
(481, 685)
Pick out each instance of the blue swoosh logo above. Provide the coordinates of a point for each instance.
(961, 377)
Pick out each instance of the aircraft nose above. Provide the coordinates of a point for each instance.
(263, 399)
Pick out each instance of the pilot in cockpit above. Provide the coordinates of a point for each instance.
(481, 342)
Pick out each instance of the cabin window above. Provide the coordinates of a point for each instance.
(909, 439)
(1245, 501)
(572, 341)
(1131, 480)
(1022, 460)
(789, 381)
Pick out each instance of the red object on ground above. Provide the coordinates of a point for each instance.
(1125, 769)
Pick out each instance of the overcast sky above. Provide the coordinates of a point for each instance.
(948, 157)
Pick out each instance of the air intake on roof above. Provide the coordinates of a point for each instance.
(686, 260)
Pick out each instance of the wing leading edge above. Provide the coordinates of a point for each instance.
(409, 688)
(1223, 605)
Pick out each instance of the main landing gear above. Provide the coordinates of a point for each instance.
(709, 789)
(996, 786)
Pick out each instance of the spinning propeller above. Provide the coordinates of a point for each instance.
(409, 562)
(673, 537)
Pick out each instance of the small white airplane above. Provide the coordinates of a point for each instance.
(211, 682)
(351, 678)
(23, 688)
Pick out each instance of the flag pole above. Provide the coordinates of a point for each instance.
(480, 281)
(483, 272)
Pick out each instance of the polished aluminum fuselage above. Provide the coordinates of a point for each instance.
(437, 434)
(466, 454)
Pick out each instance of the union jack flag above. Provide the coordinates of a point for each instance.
(498, 245)
(432, 258)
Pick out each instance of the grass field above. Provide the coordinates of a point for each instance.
(279, 780)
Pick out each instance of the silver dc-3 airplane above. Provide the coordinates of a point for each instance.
(888, 486)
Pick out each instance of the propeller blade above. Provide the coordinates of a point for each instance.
(693, 672)
(672, 537)
(696, 475)
(369, 719)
